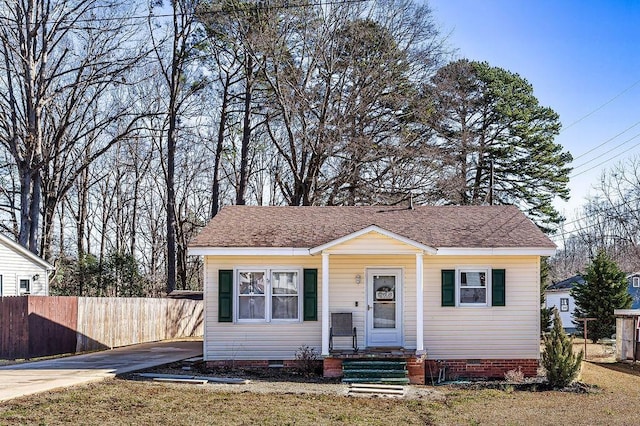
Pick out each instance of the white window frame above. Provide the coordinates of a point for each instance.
(487, 271)
(25, 278)
(268, 294)
(563, 305)
(635, 282)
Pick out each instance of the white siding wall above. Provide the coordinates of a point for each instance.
(14, 266)
(510, 332)
(506, 332)
(553, 299)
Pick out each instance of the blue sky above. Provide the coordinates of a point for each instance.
(583, 60)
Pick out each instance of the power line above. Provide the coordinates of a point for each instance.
(607, 141)
(608, 159)
(601, 106)
(585, 227)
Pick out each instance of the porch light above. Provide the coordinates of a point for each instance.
(358, 279)
(36, 277)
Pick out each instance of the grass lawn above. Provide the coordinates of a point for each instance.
(120, 401)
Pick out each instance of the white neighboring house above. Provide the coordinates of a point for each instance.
(22, 272)
(558, 295)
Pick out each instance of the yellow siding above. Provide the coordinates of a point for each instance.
(343, 292)
(510, 331)
(260, 341)
(449, 332)
(372, 242)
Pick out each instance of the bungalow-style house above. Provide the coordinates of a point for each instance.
(451, 289)
(558, 295)
(22, 272)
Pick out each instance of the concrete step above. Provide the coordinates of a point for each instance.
(377, 380)
(366, 389)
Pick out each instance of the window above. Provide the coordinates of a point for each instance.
(268, 294)
(251, 303)
(473, 287)
(1, 293)
(284, 296)
(564, 304)
(25, 286)
(636, 282)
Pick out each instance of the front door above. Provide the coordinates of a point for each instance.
(384, 307)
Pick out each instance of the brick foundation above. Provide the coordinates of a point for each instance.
(481, 368)
(332, 367)
(229, 363)
(416, 369)
(419, 370)
(256, 364)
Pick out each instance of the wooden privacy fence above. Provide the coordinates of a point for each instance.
(33, 326)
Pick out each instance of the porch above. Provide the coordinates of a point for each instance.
(377, 277)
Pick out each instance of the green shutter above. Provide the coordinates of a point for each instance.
(310, 305)
(448, 287)
(225, 295)
(497, 287)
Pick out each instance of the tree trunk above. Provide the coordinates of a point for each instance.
(246, 136)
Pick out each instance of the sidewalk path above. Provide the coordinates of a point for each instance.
(33, 377)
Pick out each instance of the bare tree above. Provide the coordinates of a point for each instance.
(173, 64)
(60, 61)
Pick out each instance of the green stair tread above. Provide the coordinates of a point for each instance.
(380, 365)
(375, 374)
(382, 380)
(375, 370)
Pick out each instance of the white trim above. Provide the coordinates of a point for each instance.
(298, 251)
(325, 304)
(396, 333)
(373, 228)
(419, 304)
(27, 278)
(247, 251)
(25, 253)
(488, 285)
(497, 251)
(268, 271)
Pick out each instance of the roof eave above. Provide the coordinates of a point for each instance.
(26, 253)
(379, 230)
(496, 251)
(247, 251)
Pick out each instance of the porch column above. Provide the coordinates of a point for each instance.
(325, 304)
(419, 304)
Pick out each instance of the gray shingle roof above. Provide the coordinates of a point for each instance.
(434, 226)
(567, 284)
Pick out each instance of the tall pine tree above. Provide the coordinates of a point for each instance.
(604, 290)
(496, 142)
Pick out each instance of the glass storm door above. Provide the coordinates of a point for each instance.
(384, 306)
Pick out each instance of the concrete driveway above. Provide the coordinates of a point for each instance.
(33, 377)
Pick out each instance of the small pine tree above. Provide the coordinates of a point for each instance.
(604, 290)
(558, 359)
